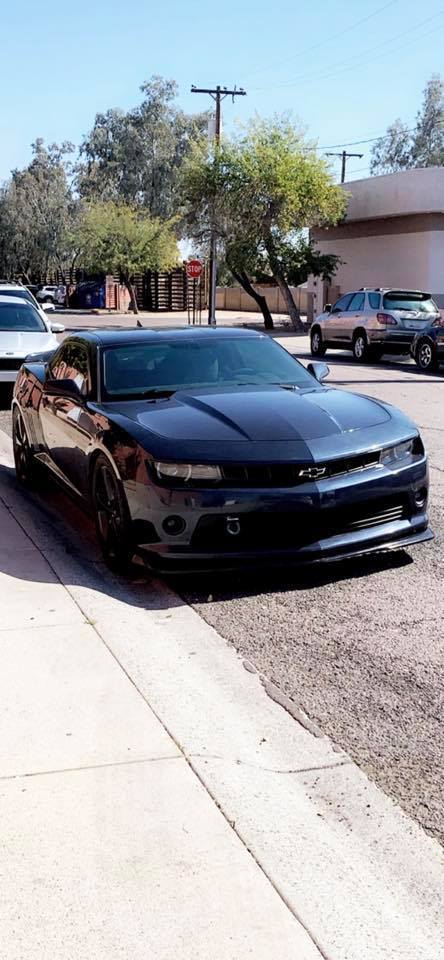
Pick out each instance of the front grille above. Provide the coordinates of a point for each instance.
(297, 529)
(289, 474)
(10, 363)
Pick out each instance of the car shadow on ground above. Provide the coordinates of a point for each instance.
(60, 527)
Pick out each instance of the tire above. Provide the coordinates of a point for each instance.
(111, 516)
(48, 300)
(425, 357)
(317, 346)
(360, 346)
(24, 460)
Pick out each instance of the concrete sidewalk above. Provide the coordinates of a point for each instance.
(156, 802)
(111, 844)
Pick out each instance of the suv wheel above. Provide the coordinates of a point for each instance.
(317, 346)
(425, 356)
(360, 346)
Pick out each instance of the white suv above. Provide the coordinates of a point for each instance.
(373, 322)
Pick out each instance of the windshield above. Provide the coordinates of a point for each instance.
(18, 292)
(411, 302)
(21, 317)
(139, 369)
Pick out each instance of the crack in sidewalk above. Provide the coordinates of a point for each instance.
(89, 766)
(258, 766)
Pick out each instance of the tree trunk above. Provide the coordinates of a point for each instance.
(245, 282)
(293, 311)
(275, 265)
(133, 298)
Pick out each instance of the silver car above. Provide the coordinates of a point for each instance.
(373, 322)
(23, 330)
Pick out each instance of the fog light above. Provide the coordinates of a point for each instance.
(420, 497)
(174, 525)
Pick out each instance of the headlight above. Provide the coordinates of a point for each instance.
(402, 451)
(187, 471)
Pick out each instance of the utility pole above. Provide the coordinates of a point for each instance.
(345, 156)
(218, 94)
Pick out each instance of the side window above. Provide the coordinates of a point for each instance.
(357, 302)
(374, 300)
(71, 363)
(342, 303)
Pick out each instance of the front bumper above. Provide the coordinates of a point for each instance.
(371, 511)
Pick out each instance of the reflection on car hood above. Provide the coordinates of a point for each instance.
(18, 344)
(261, 414)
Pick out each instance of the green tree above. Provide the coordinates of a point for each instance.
(36, 207)
(120, 239)
(402, 149)
(392, 152)
(428, 138)
(263, 191)
(136, 156)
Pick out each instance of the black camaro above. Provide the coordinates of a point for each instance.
(198, 447)
(428, 348)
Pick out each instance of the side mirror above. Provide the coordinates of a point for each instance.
(48, 307)
(319, 370)
(327, 308)
(57, 327)
(64, 388)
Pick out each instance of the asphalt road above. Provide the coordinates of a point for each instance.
(360, 646)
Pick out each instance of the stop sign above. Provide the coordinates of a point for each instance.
(194, 269)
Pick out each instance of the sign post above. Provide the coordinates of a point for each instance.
(194, 269)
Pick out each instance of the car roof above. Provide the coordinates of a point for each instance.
(148, 335)
(423, 293)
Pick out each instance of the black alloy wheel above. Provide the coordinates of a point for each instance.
(317, 346)
(425, 356)
(111, 515)
(25, 465)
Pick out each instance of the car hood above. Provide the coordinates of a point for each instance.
(14, 343)
(251, 414)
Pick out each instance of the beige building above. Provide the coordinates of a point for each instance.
(393, 235)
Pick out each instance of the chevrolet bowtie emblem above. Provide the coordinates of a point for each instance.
(313, 473)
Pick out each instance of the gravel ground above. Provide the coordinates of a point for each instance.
(360, 646)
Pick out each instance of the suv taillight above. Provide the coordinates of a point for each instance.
(385, 319)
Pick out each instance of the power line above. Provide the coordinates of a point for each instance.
(322, 43)
(356, 143)
(340, 68)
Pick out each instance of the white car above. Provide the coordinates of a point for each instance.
(47, 294)
(18, 290)
(23, 330)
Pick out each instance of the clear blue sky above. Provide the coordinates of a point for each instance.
(61, 63)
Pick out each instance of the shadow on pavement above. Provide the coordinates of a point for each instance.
(63, 527)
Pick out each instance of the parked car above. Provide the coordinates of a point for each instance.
(47, 294)
(23, 331)
(217, 447)
(428, 348)
(24, 293)
(373, 322)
